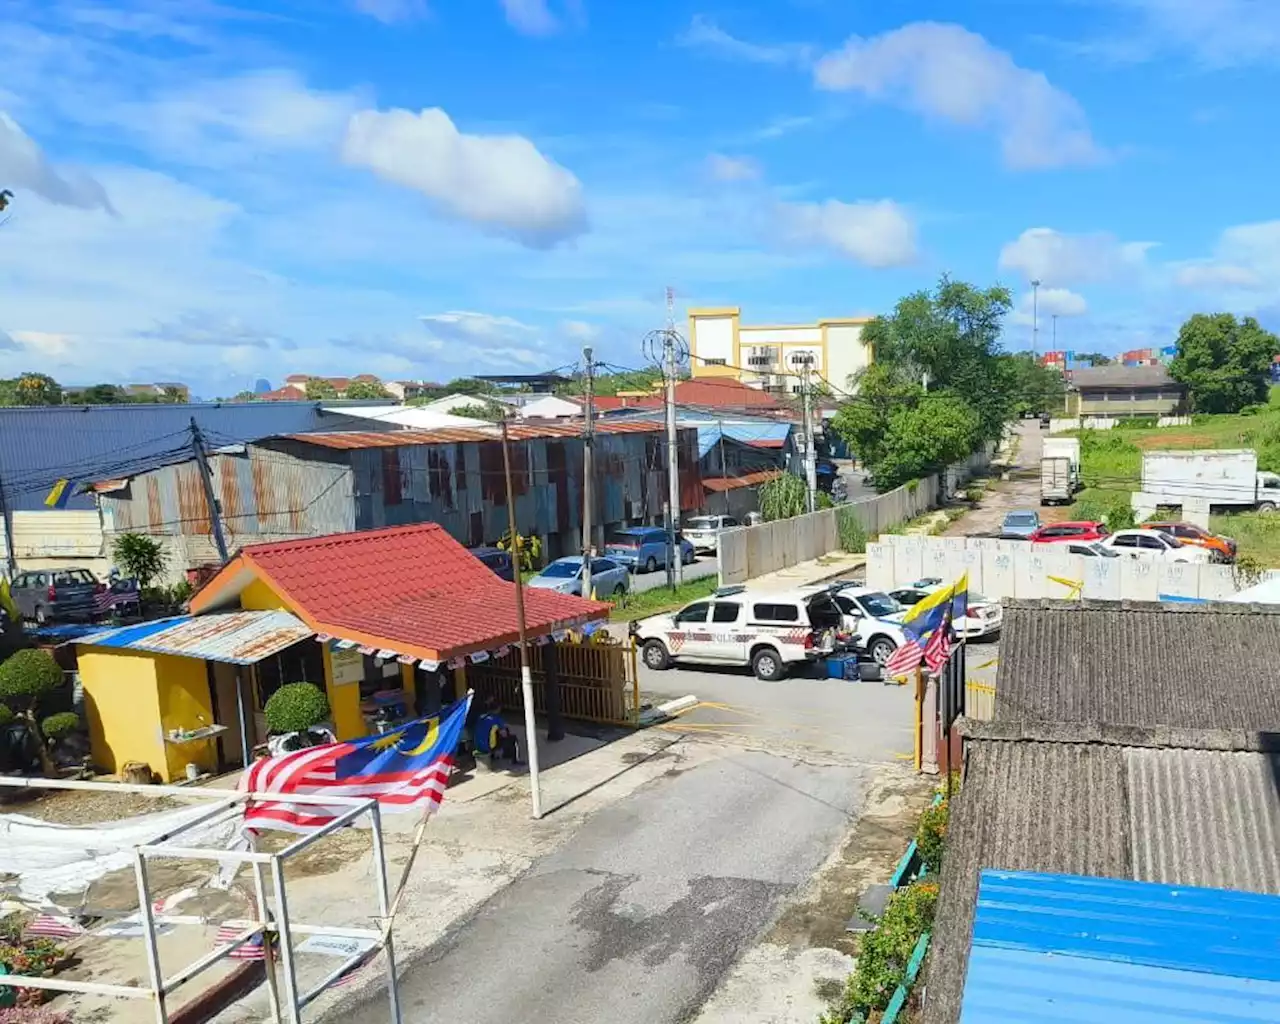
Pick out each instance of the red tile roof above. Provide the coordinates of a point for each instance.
(715, 392)
(731, 483)
(411, 589)
(288, 393)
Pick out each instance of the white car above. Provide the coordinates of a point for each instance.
(983, 619)
(1150, 546)
(872, 617)
(703, 532)
(766, 630)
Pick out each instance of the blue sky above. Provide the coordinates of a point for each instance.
(213, 192)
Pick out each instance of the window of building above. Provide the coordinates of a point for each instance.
(439, 476)
(392, 490)
(459, 468)
(492, 485)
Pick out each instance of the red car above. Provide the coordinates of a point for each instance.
(1080, 532)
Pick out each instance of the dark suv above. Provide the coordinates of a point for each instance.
(497, 560)
(53, 595)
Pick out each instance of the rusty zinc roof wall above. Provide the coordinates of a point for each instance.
(238, 638)
(263, 492)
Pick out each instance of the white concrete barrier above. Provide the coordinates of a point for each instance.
(1001, 569)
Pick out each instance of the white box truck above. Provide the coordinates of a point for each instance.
(1059, 470)
(1208, 479)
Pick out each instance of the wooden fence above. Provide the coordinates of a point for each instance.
(980, 701)
(598, 681)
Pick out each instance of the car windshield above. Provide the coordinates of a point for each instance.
(562, 570)
(879, 604)
(701, 523)
(1105, 551)
(1020, 519)
(72, 577)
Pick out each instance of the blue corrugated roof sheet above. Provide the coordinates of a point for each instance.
(1071, 948)
(41, 444)
(745, 433)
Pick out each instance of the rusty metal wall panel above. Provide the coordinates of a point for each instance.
(154, 515)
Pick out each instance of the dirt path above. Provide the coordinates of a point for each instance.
(1020, 491)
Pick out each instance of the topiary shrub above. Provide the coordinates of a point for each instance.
(296, 707)
(55, 727)
(27, 676)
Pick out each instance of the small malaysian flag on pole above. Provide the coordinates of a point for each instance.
(906, 658)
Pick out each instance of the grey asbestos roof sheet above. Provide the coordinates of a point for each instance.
(1123, 805)
(1195, 666)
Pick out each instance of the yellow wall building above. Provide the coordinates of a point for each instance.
(771, 356)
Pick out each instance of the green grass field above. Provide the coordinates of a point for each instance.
(1111, 465)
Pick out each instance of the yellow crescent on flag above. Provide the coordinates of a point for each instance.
(428, 740)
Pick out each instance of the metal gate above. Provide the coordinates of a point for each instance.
(598, 681)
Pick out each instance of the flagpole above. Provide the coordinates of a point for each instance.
(526, 675)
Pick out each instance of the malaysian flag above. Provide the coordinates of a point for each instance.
(906, 658)
(403, 770)
(938, 650)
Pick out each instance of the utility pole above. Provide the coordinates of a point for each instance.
(675, 565)
(6, 524)
(1055, 332)
(215, 513)
(526, 676)
(588, 471)
(810, 449)
(1035, 319)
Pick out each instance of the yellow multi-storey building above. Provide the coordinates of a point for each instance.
(772, 356)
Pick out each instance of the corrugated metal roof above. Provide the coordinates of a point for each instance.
(453, 435)
(1207, 666)
(240, 638)
(761, 434)
(38, 445)
(719, 484)
(1124, 803)
(1070, 948)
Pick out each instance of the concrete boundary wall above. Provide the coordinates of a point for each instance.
(751, 551)
(1003, 568)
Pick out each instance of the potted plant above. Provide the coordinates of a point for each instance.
(25, 679)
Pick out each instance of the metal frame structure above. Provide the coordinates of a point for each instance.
(272, 909)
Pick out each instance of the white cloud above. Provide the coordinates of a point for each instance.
(946, 72)
(464, 337)
(530, 17)
(1218, 33)
(1051, 302)
(498, 182)
(205, 328)
(732, 168)
(24, 166)
(875, 233)
(1061, 259)
(1246, 258)
(7, 344)
(580, 330)
(703, 33)
(391, 11)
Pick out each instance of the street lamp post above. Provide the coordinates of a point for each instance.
(1035, 318)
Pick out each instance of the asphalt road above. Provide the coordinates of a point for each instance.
(706, 565)
(638, 917)
(832, 718)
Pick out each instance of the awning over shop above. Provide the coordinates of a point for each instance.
(238, 638)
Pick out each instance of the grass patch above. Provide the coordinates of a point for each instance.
(662, 599)
(1257, 535)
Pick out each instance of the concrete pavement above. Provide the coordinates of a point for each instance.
(638, 917)
(706, 565)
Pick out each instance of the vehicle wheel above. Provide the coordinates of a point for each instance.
(881, 649)
(42, 617)
(651, 564)
(767, 664)
(619, 590)
(1266, 506)
(655, 655)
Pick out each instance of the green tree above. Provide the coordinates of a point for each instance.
(318, 389)
(245, 396)
(25, 679)
(139, 556)
(483, 409)
(101, 394)
(1036, 388)
(863, 421)
(1224, 362)
(37, 389)
(366, 390)
(1094, 358)
(923, 438)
